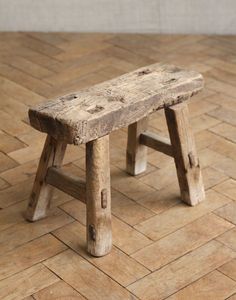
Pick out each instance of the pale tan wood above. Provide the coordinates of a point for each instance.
(70, 184)
(96, 111)
(182, 271)
(203, 122)
(180, 215)
(129, 241)
(161, 178)
(214, 285)
(122, 207)
(185, 155)
(209, 157)
(225, 130)
(227, 166)
(161, 200)
(156, 142)
(233, 297)
(41, 194)
(15, 193)
(117, 265)
(159, 160)
(21, 173)
(227, 188)
(229, 269)
(21, 93)
(76, 209)
(182, 241)
(197, 108)
(212, 177)
(12, 128)
(228, 212)
(229, 239)
(28, 153)
(6, 162)
(136, 153)
(224, 114)
(14, 214)
(98, 195)
(26, 283)
(177, 231)
(85, 278)
(59, 290)
(128, 185)
(23, 232)
(9, 143)
(29, 254)
(206, 139)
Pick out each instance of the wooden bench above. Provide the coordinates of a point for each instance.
(90, 115)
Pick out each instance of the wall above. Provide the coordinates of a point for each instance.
(160, 16)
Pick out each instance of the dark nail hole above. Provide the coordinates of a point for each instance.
(92, 232)
(171, 80)
(144, 72)
(96, 109)
(69, 97)
(116, 98)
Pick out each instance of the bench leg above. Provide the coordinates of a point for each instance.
(136, 153)
(98, 197)
(52, 155)
(184, 151)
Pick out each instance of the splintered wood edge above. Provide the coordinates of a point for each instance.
(84, 131)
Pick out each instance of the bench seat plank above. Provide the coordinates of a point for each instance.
(93, 112)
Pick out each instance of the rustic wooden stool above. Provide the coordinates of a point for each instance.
(87, 117)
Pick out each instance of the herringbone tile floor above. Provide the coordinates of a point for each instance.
(163, 249)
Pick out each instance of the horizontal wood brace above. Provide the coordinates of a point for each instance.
(156, 142)
(69, 184)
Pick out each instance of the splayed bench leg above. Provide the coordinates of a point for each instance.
(52, 156)
(185, 155)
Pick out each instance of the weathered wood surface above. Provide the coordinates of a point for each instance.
(96, 111)
(185, 154)
(41, 194)
(156, 142)
(150, 227)
(98, 197)
(136, 154)
(67, 183)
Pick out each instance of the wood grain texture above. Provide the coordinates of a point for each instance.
(185, 155)
(156, 142)
(98, 197)
(26, 283)
(214, 285)
(71, 185)
(41, 194)
(91, 113)
(29, 254)
(182, 271)
(136, 153)
(117, 265)
(85, 278)
(58, 290)
(150, 224)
